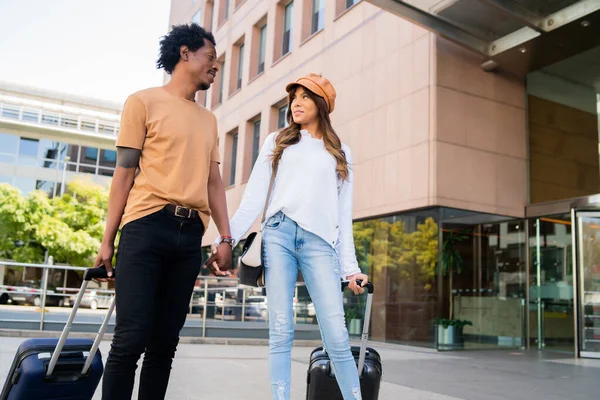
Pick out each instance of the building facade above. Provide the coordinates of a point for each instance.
(49, 138)
(474, 131)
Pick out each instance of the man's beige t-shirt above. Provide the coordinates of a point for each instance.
(178, 139)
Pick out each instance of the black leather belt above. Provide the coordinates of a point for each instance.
(182, 212)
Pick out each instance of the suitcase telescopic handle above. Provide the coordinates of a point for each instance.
(89, 274)
(369, 286)
(365, 333)
(95, 273)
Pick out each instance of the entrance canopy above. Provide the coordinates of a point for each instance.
(518, 35)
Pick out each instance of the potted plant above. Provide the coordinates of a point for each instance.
(353, 321)
(449, 331)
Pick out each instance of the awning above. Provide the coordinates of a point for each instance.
(520, 35)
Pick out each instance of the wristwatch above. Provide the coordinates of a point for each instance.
(228, 240)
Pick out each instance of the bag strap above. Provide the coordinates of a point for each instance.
(269, 194)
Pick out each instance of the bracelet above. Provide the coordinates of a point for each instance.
(228, 240)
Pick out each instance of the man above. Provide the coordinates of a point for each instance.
(165, 187)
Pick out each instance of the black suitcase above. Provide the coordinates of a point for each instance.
(58, 368)
(321, 381)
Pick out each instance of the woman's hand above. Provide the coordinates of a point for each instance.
(354, 286)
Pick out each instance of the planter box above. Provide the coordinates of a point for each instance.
(449, 338)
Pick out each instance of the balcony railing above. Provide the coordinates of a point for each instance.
(72, 122)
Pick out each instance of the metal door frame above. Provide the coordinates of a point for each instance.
(591, 211)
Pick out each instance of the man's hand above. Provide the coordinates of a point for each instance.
(354, 286)
(220, 261)
(105, 256)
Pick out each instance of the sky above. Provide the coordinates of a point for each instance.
(104, 49)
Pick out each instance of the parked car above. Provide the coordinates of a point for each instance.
(256, 306)
(94, 299)
(30, 292)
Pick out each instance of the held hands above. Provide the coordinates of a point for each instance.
(220, 261)
(105, 256)
(352, 285)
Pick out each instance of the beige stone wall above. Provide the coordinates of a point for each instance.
(491, 316)
(479, 155)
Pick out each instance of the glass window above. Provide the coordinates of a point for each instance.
(255, 142)
(262, 51)
(109, 156)
(196, 17)
(226, 8)
(6, 179)
(48, 149)
(8, 143)
(234, 144)
(287, 29)
(69, 121)
(552, 315)
(25, 185)
(350, 3)
(10, 112)
(48, 153)
(106, 171)
(318, 15)
(49, 119)
(563, 102)
(64, 150)
(221, 83)
(400, 254)
(106, 128)
(91, 153)
(46, 186)
(240, 70)
(281, 117)
(30, 116)
(483, 278)
(88, 126)
(28, 151)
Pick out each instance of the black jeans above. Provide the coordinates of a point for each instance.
(158, 261)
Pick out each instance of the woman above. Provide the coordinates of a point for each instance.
(308, 225)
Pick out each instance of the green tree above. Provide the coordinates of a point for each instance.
(69, 227)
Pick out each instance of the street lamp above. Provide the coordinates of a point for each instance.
(62, 184)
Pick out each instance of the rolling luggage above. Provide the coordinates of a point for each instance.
(58, 369)
(321, 381)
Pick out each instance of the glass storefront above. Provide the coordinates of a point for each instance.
(400, 255)
(454, 279)
(445, 278)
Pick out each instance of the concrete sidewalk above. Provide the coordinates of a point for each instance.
(230, 372)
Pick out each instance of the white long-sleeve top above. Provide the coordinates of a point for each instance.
(307, 189)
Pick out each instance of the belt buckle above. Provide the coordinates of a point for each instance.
(178, 208)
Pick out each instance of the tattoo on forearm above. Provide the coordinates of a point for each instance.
(128, 157)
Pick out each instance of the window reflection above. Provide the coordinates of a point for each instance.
(400, 255)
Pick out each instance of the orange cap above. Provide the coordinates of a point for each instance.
(319, 86)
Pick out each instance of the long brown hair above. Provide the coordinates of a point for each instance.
(291, 134)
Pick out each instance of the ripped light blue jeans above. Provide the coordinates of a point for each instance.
(287, 247)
